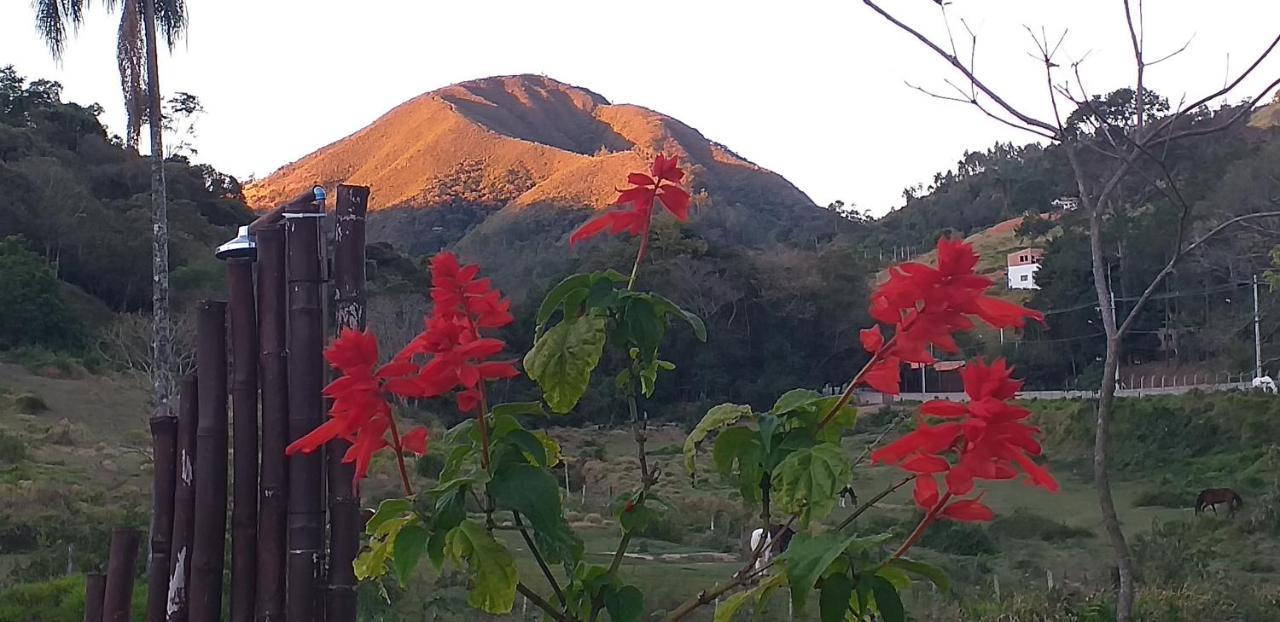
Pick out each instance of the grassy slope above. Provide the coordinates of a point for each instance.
(104, 420)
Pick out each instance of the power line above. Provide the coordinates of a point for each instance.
(1165, 296)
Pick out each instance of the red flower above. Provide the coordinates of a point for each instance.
(360, 412)
(985, 439)
(455, 355)
(928, 305)
(415, 441)
(663, 184)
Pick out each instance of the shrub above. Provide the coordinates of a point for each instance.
(959, 539)
(12, 448)
(1023, 524)
(31, 302)
(29, 404)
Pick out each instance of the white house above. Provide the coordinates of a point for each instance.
(1023, 266)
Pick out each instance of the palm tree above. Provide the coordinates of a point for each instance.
(136, 45)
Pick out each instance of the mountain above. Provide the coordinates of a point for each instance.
(489, 149)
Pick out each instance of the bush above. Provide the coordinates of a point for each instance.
(12, 448)
(1023, 524)
(60, 600)
(958, 539)
(31, 302)
(28, 404)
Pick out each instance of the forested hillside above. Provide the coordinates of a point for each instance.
(76, 211)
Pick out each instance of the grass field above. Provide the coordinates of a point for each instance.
(83, 468)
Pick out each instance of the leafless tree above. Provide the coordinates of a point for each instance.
(125, 343)
(1121, 153)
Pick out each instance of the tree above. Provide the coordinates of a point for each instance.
(1117, 147)
(30, 301)
(135, 44)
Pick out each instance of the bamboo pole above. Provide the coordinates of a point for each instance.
(95, 588)
(244, 411)
(210, 533)
(164, 438)
(306, 373)
(117, 599)
(184, 510)
(349, 312)
(273, 510)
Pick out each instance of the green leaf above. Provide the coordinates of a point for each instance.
(529, 447)
(533, 492)
(887, 600)
(518, 408)
(719, 417)
(490, 567)
(807, 558)
(729, 607)
(833, 601)
(670, 308)
(555, 298)
(737, 455)
(795, 399)
(435, 547)
(928, 571)
(806, 482)
(409, 545)
(371, 563)
(550, 447)
(624, 604)
(562, 360)
(642, 327)
(387, 510)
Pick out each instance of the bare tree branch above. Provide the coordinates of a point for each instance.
(1173, 262)
(955, 62)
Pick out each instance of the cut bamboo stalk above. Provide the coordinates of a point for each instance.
(184, 504)
(273, 511)
(306, 372)
(208, 545)
(244, 412)
(95, 588)
(117, 599)
(164, 438)
(349, 312)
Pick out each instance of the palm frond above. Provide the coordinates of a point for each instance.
(52, 19)
(171, 15)
(130, 58)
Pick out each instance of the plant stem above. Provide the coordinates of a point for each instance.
(918, 532)
(404, 473)
(872, 501)
(541, 603)
(537, 556)
(706, 597)
(647, 480)
(482, 423)
(853, 384)
(635, 268)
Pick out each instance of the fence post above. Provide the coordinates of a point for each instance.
(117, 598)
(306, 374)
(184, 511)
(244, 412)
(164, 432)
(95, 588)
(273, 512)
(350, 298)
(210, 534)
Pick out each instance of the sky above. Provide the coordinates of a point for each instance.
(815, 90)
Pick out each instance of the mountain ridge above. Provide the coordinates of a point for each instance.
(536, 141)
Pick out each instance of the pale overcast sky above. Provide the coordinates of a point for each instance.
(811, 89)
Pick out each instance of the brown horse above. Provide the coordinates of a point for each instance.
(1211, 497)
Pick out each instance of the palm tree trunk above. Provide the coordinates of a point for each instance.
(161, 332)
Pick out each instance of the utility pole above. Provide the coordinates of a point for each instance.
(1257, 332)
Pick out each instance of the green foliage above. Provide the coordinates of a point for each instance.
(58, 600)
(1023, 524)
(489, 565)
(806, 481)
(12, 448)
(31, 302)
(80, 201)
(562, 359)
